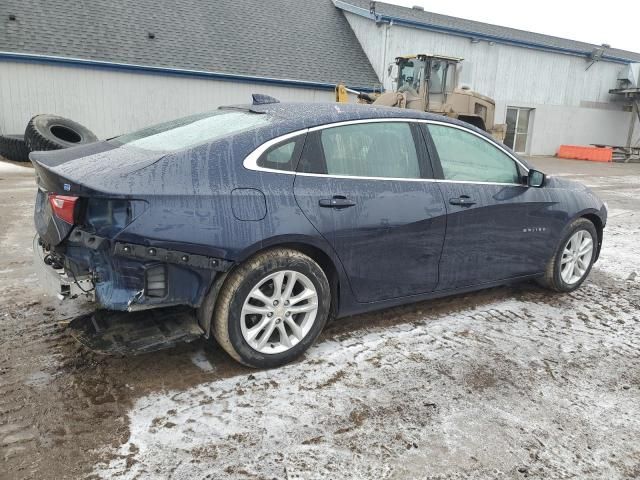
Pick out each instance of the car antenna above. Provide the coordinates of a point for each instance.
(262, 99)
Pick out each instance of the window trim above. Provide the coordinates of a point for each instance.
(250, 161)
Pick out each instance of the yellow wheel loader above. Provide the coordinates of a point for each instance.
(429, 83)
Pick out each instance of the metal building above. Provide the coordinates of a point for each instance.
(549, 91)
(116, 65)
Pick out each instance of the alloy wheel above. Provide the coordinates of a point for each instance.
(279, 311)
(576, 257)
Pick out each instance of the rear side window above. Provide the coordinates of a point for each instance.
(384, 149)
(467, 157)
(283, 156)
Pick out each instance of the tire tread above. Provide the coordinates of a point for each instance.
(13, 147)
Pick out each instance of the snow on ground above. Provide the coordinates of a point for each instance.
(531, 384)
(621, 246)
(10, 167)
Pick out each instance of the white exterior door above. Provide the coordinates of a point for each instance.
(517, 128)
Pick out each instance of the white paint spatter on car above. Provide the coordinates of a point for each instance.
(538, 383)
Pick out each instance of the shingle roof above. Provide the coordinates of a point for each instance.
(470, 26)
(307, 40)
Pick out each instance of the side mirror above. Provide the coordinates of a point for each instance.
(535, 178)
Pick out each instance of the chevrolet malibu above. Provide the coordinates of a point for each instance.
(270, 218)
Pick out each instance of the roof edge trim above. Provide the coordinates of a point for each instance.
(362, 12)
(80, 62)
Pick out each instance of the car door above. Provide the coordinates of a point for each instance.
(497, 227)
(363, 187)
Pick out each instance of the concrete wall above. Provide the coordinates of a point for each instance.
(554, 125)
(111, 102)
(572, 103)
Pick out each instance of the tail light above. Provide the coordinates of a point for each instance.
(63, 207)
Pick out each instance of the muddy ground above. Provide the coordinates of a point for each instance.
(512, 382)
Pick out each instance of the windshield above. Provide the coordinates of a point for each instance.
(410, 72)
(193, 130)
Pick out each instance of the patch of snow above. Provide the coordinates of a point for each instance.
(200, 360)
(486, 389)
(620, 255)
(6, 167)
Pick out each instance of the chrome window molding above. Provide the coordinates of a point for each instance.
(251, 160)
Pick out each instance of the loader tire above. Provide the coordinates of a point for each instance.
(13, 147)
(51, 132)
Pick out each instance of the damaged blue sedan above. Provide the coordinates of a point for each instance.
(270, 218)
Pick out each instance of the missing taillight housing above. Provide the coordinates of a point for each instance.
(63, 207)
(107, 216)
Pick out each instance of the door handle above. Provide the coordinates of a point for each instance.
(462, 200)
(338, 201)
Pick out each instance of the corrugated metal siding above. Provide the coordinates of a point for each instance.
(112, 102)
(515, 76)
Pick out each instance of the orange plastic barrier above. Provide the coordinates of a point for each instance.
(594, 154)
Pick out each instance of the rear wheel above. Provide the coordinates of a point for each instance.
(272, 308)
(573, 259)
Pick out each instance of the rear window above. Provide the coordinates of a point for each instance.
(193, 130)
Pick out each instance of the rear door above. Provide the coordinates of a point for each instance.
(497, 227)
(363, 187)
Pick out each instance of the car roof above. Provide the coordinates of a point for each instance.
(306, 115)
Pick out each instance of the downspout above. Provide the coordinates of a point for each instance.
(383, 68)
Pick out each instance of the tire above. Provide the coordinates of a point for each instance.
(13, 147)
(230, 325)
(553, 278)
(50, 132)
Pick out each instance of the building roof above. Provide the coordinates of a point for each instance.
(459, 26)
(301, 40)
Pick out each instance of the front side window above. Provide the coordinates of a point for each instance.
(385, 149)
(467, 157)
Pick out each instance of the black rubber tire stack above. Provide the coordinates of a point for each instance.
(13, 147)
(51, 132)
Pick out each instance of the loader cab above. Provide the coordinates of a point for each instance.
(427, 80)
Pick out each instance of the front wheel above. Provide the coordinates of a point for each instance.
(572, 261)
(272, 308)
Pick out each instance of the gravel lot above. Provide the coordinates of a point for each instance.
(506, 383)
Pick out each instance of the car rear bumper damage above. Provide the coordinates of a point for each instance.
(124, 276)
(55, 281)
